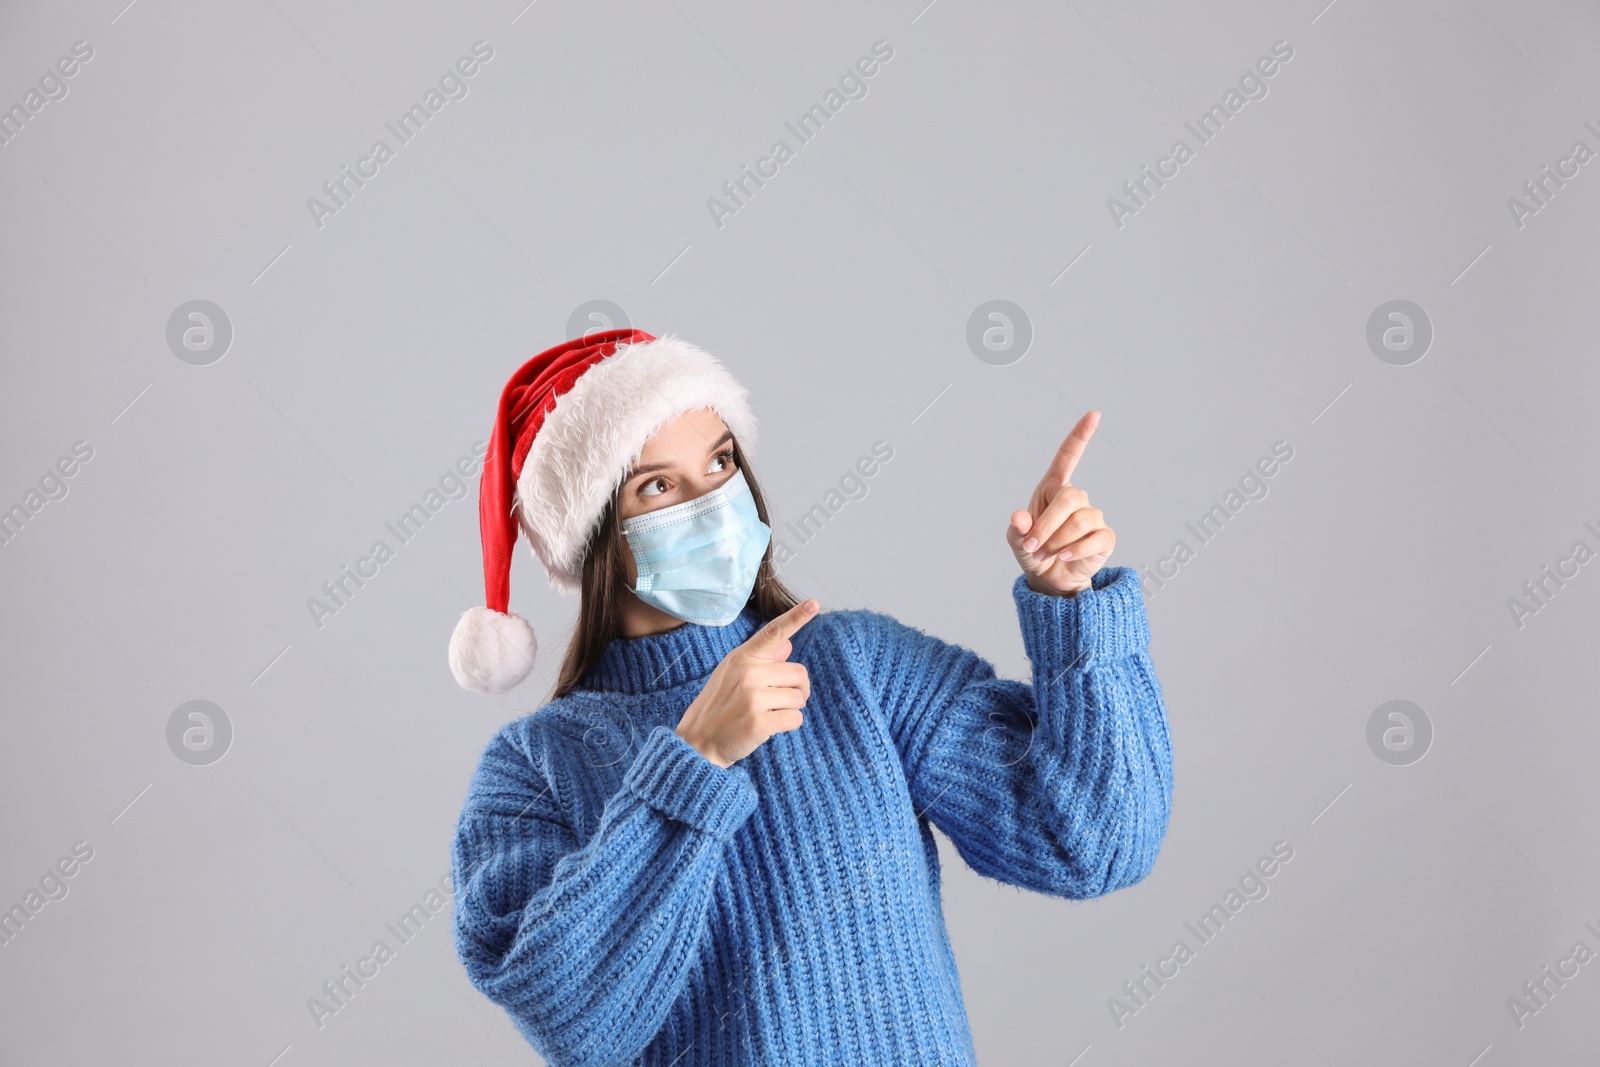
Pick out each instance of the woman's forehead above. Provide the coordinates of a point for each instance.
(688, 437)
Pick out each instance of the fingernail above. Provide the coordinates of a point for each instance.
(1067, 554)
(1030, 543)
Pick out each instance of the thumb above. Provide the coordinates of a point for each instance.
(1016, 531)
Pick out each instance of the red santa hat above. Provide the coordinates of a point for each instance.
(572, 422)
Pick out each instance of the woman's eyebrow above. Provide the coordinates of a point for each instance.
(649, 467)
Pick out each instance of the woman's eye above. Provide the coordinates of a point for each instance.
(645, 489)
(721, 461)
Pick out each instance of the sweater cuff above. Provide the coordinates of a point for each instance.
(1101, 624)
(673, 776)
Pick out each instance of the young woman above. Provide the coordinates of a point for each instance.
(713, 846)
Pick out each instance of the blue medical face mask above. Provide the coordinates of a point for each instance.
(698, 560)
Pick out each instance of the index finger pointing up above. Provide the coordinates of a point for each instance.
(779, 630)
(1071, 450)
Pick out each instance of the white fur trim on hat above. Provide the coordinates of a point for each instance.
(596, 431)
(492, 652)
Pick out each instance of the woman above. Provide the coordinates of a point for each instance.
(713, 845)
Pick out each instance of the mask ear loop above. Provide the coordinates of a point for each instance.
(627, 545)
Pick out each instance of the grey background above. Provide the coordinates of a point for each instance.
(1228, 314)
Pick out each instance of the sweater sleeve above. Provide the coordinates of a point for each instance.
(588, 947)
(1063, 786)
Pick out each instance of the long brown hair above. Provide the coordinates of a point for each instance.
(605, 584)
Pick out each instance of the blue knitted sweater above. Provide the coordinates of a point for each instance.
(627, 901)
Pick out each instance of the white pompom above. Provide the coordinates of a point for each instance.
(490, 651)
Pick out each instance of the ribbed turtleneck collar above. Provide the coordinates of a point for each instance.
(662, 661)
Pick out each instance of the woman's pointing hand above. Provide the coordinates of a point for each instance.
(753, 693)
(1060, 541)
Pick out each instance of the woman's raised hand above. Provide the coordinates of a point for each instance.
(1059, 520)
(753, 693)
